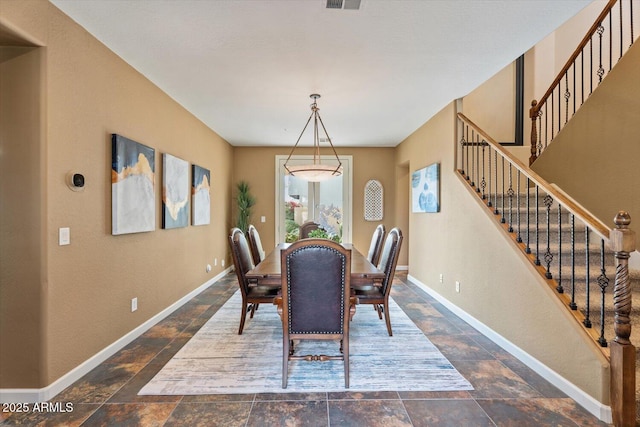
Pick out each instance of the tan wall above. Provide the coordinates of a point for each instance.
(21, 198)
(87, 286)
(256, 165)
(498, 286)
(492, 105)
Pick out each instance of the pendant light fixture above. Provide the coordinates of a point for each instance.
(316, 171)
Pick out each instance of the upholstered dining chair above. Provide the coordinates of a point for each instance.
(375, 247)
(316, 301)
(252, 294)
(257, 253)
(379, 295)
(307, 227)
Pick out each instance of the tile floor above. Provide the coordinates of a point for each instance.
(507, 393)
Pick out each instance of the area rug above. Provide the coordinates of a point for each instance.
(219, 361)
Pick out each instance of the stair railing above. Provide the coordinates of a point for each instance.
(606, 41)
(522, 201)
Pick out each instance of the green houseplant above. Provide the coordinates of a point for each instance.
(245, 202)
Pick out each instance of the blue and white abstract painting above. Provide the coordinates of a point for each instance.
(425, 192)
(132, 186)
(175, 192)
(201, 196)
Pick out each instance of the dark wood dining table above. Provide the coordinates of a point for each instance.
(363, 273)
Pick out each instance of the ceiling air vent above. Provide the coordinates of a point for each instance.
(343, 4)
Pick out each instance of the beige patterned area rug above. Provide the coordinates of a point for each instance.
(218, 360)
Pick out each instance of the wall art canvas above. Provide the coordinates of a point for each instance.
(132, 186)
(175, 192)
(425, 189)
(201, 197)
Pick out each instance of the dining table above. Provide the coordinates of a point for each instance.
(364, 275)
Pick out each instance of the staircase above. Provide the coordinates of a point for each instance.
(569, 247)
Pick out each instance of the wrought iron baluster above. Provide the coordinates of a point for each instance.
(600, 71)
(495, 196)
(478, 164)
(519, 238)
(462, 148)
(483, 183)
(574, 89)
(537, 262)
(559, 288)
(573, 304)
(502, 219)
(553, 117)
(528, 248)
(582, 79)
(548, 256)
(587, 318)
(473, 158)
(510, 193)
(546, 126)
(467, 149)
(489, 168)
(603, 282)
(567, 97)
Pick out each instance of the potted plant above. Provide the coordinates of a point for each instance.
(245, 202)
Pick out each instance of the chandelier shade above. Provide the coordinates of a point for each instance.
(317, 170)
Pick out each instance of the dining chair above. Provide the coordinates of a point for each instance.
(252, 294)
(316, 301)
(379, 295)
(307, 227)
(375, 247)
(257, 253)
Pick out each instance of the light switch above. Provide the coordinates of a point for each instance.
(64, 236)
(263, 218)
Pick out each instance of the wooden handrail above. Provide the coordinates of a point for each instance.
(594, 223)
(574, 56)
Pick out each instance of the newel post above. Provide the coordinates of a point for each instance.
(623, 353)
(533, 115)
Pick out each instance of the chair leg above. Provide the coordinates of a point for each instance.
(285, 361)
(345, 356)
(387, 318)
(254, 307)
(243, 315)
(378, 308)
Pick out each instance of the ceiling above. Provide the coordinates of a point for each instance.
(246, 68)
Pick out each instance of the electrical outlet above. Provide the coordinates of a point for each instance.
(134, 304)
(215, 261)
(222, 262)
(208, 268)
(263, 218)
(457, 286)
(441, 278)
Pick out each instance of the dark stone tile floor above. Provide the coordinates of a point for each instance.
(507, 392)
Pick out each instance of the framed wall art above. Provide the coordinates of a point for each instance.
(175, 192)
(200, 195)
(425, 189)
(133, 203)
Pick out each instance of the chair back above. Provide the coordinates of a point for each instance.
(315, 288)
(389, 258)
(375, 247)
(257, 253)
(306, 228)
(241, 255)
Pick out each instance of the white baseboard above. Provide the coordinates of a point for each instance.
(402, 268)
(30, 395)
(598, 409)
